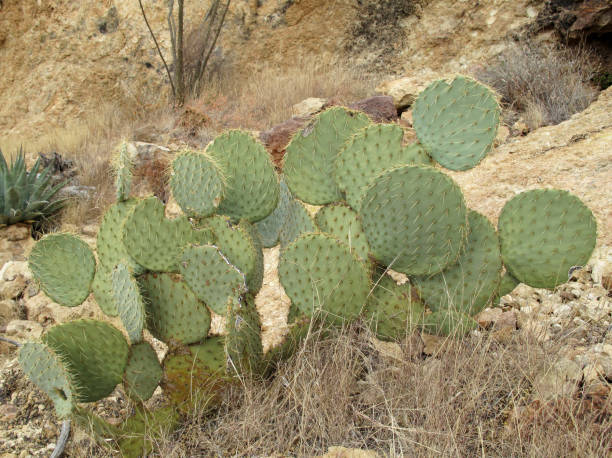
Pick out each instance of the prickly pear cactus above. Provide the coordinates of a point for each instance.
(65, 267)
(197, 183)
(128, 302)
(415, 219)
(47, 370)
(123, 164)
(344, 224)
(310, 159)
(456, 122)
(142, 373)
(543, 233)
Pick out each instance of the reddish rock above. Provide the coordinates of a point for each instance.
(575, 19)
(380, 108)
(278, 137)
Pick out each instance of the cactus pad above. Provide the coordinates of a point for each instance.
(174, 313)
(243, 340)
(109, 244)
(123, 164)
(456, 122)
(310, 159)
(449, 323)
(154, 241)
(46, 369)
(143, 431)
(392, 310)
(102, 289)
(128, 302)
(195, 373)
(344, 224)
(65, 267)
(251, 190)
(270, 227)
(319, 272)
(415, 219)
(197, 183)
(297, 222)
(240, 248)
(468, 285)
(95, 354)
(543, 233)
(368, 153)
(211, 276)
(142, 373)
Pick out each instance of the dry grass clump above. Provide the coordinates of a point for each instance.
(542, 83)
(470, 398)
(266, 98)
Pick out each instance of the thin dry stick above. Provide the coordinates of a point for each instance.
(158, 49)
(212, 46)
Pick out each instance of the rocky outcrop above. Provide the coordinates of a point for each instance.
(575, 19)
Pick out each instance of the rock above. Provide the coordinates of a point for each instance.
(8, 412)
(497, 319)
(503, 133)
(278, 137)
(432, 344)
(13, 269)
(404, 91)
(343, 452)
(308, 107)
(388, 350)
(24, 330)
(601, 266)
(379, 108)
(520, 127)
(406, 118)
(90, 230)
(558, 381)
(16, 232)
(575, 20)
(9, 311)
(12, 289)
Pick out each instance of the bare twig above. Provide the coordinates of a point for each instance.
(62, 440)
(212, 46)
(158, 48)
(11, 341)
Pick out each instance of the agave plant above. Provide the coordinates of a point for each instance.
(26, 196)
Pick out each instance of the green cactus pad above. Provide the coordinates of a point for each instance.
(449, 323)
(195, 375)
(543, 233)
(255, 281)
(123, 165)
(251, 190)
(367, 154)
(241, 250)
(243, 340)
(456, 122)
(297, 222)
(211, 276)
(154, 241)
(128, 302)
(344, 224)
(507, 284)
(109, 244)
(319, 272)
(102, 289)
(95, 353)
(415, 219)
(142, 373)
(310, 158)
(391, 310)
(174, 313)
(46, 369)
(65, 267)
(197, 183)
(270, 227)
(468, 285)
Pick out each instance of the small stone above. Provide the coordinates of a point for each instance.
(309, 106)
(555, 328)
(90, 230)
(23, 329)
(9, 310)
(432, 344)
(343, 452)
(560, 380)
(406, 118)
(520, 128)
(12, 289)
(8, 412)
(503, 133)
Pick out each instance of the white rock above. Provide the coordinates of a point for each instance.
(308, 106)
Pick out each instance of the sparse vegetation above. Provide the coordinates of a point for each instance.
(542, 83)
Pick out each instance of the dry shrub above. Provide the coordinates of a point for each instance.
(543, 83)
(341, 390)
(266, 98)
